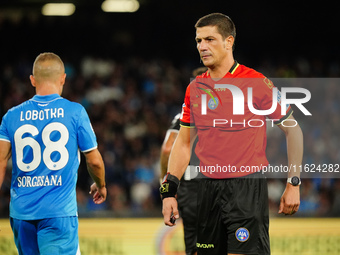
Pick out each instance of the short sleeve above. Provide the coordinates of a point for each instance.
(86, 137)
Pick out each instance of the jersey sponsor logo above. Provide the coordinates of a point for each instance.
(205, 245)
(242, 234)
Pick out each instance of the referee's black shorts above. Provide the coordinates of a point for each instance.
(233, 216)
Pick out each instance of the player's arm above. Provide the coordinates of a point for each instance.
(96, 169)
(5, 154)
(290, 200)
(168, 142)
(178, 162)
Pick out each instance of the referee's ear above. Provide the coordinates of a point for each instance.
(229, 42)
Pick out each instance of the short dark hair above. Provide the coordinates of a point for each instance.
(225, 26)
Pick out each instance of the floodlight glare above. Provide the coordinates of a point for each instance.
(120, 6)
(58, 9)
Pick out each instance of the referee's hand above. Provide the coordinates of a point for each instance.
(170, 207)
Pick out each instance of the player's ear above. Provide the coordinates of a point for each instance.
(62, 82)
(33, 82)
(62, 79)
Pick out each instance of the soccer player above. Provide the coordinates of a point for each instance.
(44, 136)
(233, 215)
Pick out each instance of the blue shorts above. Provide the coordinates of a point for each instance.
(47, 236)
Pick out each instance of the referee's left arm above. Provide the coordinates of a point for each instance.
(290, 200)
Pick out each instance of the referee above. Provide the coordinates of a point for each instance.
(233, 215)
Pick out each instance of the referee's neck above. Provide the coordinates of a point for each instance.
(219, 70)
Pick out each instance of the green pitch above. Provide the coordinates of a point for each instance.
(289, 236)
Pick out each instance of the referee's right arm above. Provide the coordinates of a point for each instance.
(181, 151)
(178, 162)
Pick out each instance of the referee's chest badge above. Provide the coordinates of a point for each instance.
(213, 103)
(242, 234)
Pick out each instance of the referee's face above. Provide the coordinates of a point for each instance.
(211, 46)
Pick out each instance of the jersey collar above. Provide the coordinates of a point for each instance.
(46, 99)
(234, 67)
(231, 70)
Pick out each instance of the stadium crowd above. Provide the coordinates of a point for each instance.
(131, 104)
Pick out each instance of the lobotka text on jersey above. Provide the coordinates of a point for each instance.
(45, 114)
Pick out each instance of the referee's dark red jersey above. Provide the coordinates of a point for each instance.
(231, 145)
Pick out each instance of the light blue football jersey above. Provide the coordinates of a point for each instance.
(46, 134)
